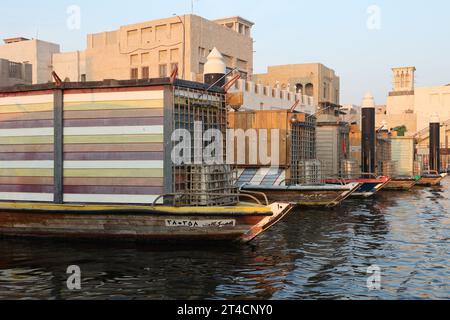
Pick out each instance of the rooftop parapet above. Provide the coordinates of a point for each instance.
(261, 97)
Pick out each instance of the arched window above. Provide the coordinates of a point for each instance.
(299, 88)
(309, 90)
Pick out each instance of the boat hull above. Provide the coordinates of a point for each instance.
(307, 196)
(367, 188)
(400, 184)
(241, 224)
(430, 181)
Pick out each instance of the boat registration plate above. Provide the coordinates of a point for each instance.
(200, 223)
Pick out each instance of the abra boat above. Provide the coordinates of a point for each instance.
(431, 178)
(94, 160)
(401, 183)
(240, 223)
(276, 188)
(306, 195)
(368, 187)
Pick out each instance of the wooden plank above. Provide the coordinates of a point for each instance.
(124, 147)
(89, 156)
(113, 190)
(146, 182)
(26, 180)
(26, 140)
(26, 172)
(109, 114)
(149, 138)
(26, 156)
(26, 148)
(113, 105)
(26, 116)
(149, 121)
(113, 173)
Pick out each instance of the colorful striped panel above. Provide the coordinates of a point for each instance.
(26, 148)
(113, 147)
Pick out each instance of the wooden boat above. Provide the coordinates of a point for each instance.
(401, 184)
(241, 223)
(368, 186)
(306, 195)
(431, 179)
(94, 160)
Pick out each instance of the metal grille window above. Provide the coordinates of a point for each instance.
(163, 70)
(145, 73)
(15, 70)
(199, 183)
(134, 74)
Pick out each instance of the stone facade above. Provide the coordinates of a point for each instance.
(313, 79)
(13, 73)
(36, 53)
(152, 49)
(413, 106)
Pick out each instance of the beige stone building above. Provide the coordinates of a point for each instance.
(313, 79)
(152, 49)
(13, 73)
(36, 53)
(413, 106)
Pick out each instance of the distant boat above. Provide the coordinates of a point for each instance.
(325, 195)
(402, 183)
(274, 187)
(368, 186)
(431, 178)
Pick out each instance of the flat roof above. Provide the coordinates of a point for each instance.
(238, 18)
(16, 39)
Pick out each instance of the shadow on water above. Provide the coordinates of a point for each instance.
(312, 254)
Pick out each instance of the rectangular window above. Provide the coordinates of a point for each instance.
(134, 74)
(147, 35)
(134, 59)
(202, 52)
(145, 72)
(201, 68)
(145, 58)
(133, 37)
(83, 78)
(243, 75)
(163, 56)
(174, 54)
(163, 70)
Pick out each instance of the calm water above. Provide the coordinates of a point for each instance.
(312, 254)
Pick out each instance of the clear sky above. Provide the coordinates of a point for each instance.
(359, 39)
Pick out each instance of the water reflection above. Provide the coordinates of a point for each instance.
(313, 254)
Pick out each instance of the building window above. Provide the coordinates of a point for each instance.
(202, 52)
(325, 90)
(134, 59)
(145, 72)
(243, 75)
(309, 90)
(83, 78)
(134, 74)
(299, 88)
(163, 70)
(15, 70)
(163, 56)
(145, 58)
(201, 68)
